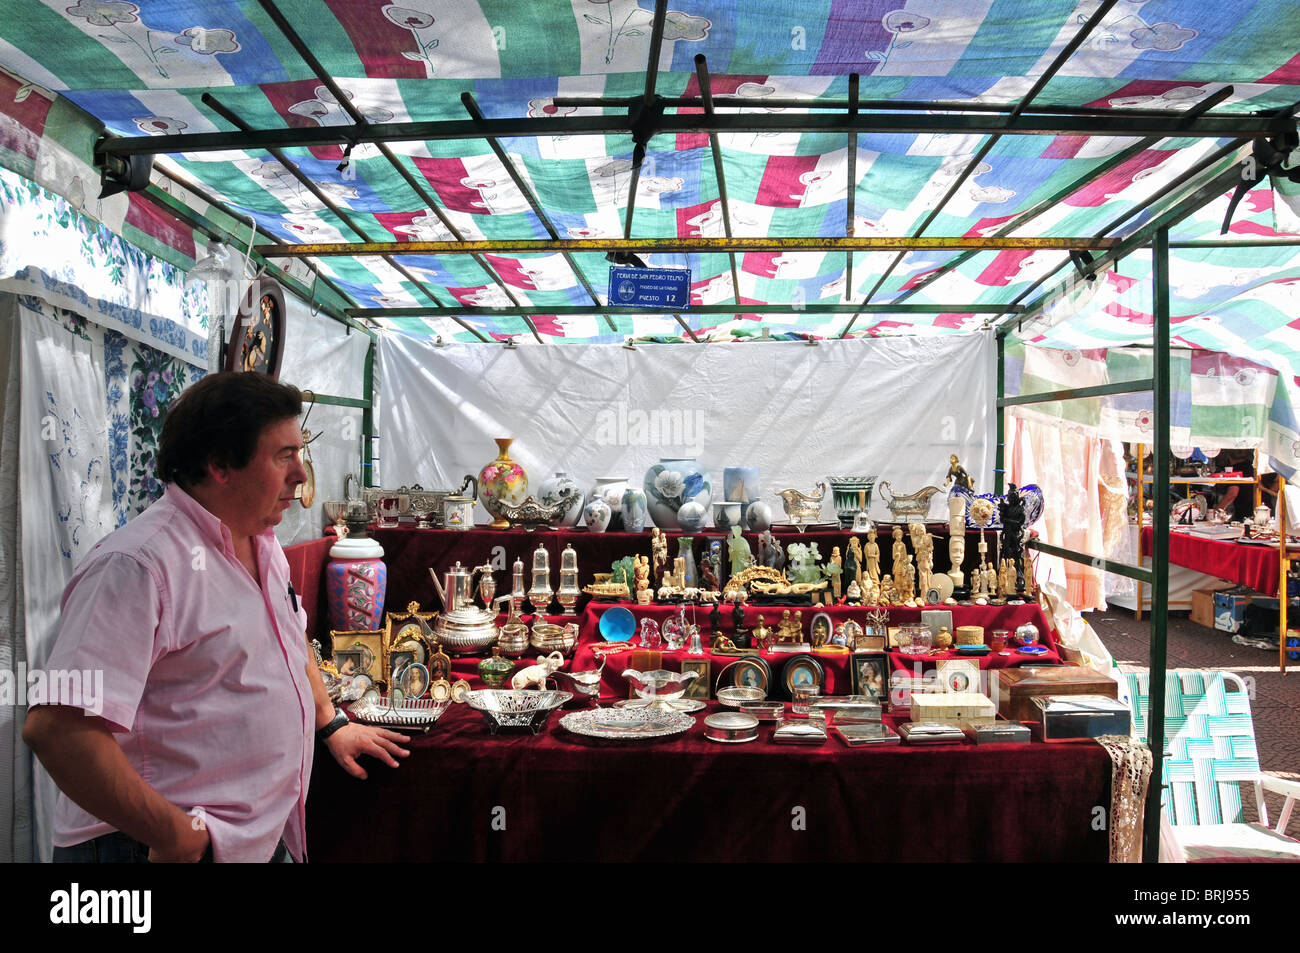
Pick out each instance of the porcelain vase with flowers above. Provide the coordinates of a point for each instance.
(672, 482)
(502, 482)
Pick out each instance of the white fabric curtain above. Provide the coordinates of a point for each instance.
(17, 838)
(895, 407)
(64, 500)
(1081, 479)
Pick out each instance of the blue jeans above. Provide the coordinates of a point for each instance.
(118, 848)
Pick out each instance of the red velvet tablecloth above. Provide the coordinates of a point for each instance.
(464, 794)
(1250, 565)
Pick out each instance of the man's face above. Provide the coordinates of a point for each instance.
(266, 486)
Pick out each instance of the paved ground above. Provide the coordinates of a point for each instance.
(1275, 707)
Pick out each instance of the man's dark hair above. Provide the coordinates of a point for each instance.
(220, 420)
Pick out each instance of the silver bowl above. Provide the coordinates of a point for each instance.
(515, 708)
(513, 639)
(549, 637)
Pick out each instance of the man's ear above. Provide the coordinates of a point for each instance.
(218, 473)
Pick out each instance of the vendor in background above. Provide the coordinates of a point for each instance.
(1235, 499)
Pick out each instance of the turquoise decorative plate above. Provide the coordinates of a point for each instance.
(617, 624)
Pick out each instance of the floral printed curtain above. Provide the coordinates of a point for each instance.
(52, 251)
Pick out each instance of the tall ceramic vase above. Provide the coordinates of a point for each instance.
(672, 482)
(356, 581)
(502, 483)
(634, 510)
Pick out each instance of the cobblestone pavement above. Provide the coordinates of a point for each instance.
(1275, 706)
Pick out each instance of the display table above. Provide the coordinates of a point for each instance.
(1251, 565)
(465, 795)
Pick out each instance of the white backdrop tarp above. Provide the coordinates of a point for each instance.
(895, 407)
(322, 357)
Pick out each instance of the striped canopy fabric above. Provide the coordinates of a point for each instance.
(144, 69)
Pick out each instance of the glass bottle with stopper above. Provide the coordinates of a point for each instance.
(540, 594)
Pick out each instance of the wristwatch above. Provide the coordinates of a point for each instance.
(338, 721)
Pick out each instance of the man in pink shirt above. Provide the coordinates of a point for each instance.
(203, 747)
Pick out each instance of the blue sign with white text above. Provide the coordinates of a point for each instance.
(650, 287)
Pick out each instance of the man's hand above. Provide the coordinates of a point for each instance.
(351, 741)
(191, 843)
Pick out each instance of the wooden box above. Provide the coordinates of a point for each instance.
(1203, 607)
(1015, 689)
(953, 708)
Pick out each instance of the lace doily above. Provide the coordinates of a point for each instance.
(1131, 763)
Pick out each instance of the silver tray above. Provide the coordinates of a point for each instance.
(686, 705)
(412, 712)
(627, 724)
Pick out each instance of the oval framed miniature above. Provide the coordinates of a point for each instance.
(414, 680)
(752, 672)
(803, 670)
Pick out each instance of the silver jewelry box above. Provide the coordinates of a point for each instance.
(800, 733)
(857, 734)
(929, 733)
(1070, 717)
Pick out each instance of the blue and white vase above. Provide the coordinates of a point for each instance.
(634, 511)
(740, 485)
(554, 489)
(597, 515)
(670, 483)
(610, 489)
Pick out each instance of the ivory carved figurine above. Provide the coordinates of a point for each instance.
(899, 552)
(534, 676)
(872, 556)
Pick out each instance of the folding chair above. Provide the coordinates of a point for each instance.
(1209, 753)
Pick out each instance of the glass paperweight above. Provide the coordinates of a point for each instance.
(650, 638)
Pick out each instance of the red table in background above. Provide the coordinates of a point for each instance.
(1251, 565)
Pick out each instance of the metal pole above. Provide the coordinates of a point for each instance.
(1159, 548)
(471, 106)
(706, 94)
(368, 419)
(999, 462)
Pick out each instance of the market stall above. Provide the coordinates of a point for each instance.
(868, 235)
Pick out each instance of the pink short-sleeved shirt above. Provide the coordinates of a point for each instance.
(205, 675)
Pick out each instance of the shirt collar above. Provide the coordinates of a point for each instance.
(209, 525)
